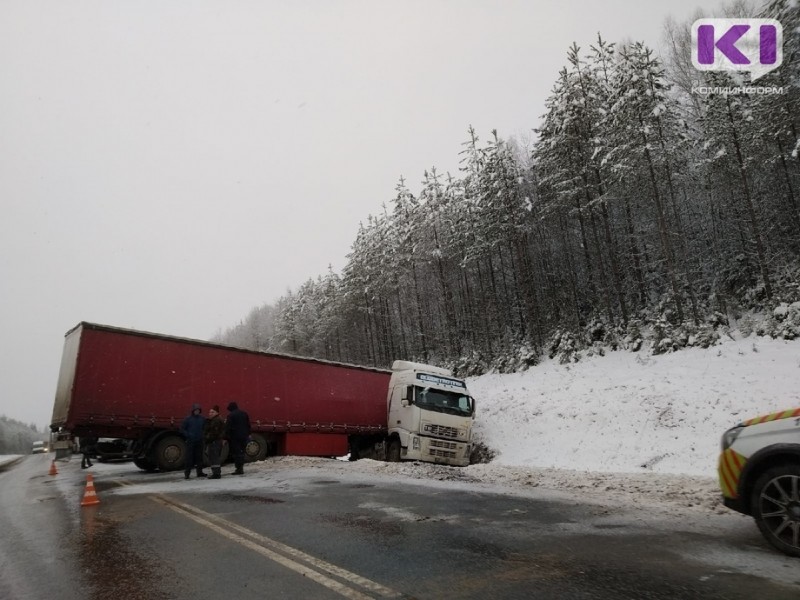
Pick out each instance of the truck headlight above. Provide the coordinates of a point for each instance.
(415, 443)
(730, 436)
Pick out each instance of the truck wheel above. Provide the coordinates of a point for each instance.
(170, 453)
(256, 448)
(393, 453)
(776, 507)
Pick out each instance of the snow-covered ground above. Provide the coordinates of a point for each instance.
(626, 429)
(634, 412)
(8, 458)
(642, 429)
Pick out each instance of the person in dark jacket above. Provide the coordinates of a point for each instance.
(192, 432)
(237, 430)
(213, 435)
(88, 446)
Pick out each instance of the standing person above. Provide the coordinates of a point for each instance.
(192, 432)
(237, 431)
(213, 434)
(88, 448)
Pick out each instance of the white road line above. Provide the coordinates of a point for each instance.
(226, 529)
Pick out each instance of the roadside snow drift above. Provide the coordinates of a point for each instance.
(633, 412)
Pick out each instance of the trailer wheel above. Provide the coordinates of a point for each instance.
(256, 448)
(393, 453)
(170, 453)
(776, 507)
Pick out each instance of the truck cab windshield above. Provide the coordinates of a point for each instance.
(442, 401)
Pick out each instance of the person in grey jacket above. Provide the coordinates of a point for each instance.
(192, 432)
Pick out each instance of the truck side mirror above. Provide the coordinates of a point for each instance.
(406, 395)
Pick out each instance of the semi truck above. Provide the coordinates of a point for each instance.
(139, 386)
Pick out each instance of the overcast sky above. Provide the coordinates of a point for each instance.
(169, 165)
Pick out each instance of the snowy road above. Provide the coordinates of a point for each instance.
(310, 528)
(40, 540)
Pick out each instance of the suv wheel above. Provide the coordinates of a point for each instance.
(776, 507)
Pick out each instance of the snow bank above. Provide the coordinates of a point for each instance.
(8, 458)
(633, 412)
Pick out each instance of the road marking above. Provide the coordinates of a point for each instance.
(258, 543)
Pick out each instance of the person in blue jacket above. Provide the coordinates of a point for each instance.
(192, 432)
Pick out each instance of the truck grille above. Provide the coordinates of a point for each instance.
(442, 449)
(442, 431)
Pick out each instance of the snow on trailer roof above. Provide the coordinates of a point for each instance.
(173, 338)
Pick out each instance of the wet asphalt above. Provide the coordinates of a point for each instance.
(307, 535)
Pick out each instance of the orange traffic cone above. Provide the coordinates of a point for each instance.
(53, 470)
(89, 496)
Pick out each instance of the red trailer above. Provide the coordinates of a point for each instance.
(139, 386)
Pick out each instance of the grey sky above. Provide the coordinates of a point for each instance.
(169, 165)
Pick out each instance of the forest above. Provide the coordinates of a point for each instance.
(655, 205)
(17, 437)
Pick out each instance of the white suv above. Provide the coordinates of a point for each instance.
(759, 474)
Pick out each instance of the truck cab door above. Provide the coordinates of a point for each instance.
(401, 408)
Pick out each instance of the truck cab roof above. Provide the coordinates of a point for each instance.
(404, 365)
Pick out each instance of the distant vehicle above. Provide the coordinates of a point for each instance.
(40, 448)
(759, 474)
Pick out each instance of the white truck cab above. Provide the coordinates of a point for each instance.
(759, 475)
(430, 415)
